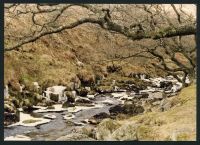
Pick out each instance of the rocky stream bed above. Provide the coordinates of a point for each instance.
(67, 123)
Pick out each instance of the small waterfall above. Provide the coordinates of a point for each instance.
(142, 76)
(58, 90)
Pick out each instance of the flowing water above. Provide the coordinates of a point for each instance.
(58, 126)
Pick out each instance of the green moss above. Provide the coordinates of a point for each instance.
(30, 121)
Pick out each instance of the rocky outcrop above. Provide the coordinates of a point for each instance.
(165, 105)
(110, 130)
(70, 96)
(82, 92)
(11, 114)
(127, 108)
(96, 119)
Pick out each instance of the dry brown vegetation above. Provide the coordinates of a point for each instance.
(178, 123)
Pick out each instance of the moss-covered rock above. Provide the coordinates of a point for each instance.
(106, 128)
(125, 132)
(16, 102)
(11, 114)
(67, 104)
(70, 97)
(127, 108)
(82, 92)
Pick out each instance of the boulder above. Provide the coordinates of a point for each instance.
(11, 114)
(27, 103)
(116, 109)
(88, 89)
(16, 102)
(96, 119)
(82, 92)
(83, 101)
(101, 115)
(34, 98)
(132, 109)
(39, 97)
(28, 109)
(48, 102)
(54, 97)
(9, 108)
(10, 118)
(165, 105)
(156, 96)
(132, 87)
(127, 108)
(70, 97)
(28, 106)
(67, 104)
(75, 83)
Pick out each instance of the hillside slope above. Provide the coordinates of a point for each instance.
(176, 124)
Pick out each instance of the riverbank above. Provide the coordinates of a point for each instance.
(148, 113)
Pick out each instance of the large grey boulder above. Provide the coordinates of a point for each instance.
(127, 108)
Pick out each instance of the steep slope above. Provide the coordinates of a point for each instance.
(178, 123)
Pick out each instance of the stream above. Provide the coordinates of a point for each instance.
(58, 127)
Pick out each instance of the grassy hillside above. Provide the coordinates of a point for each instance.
(54, 57)
(178, 123)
